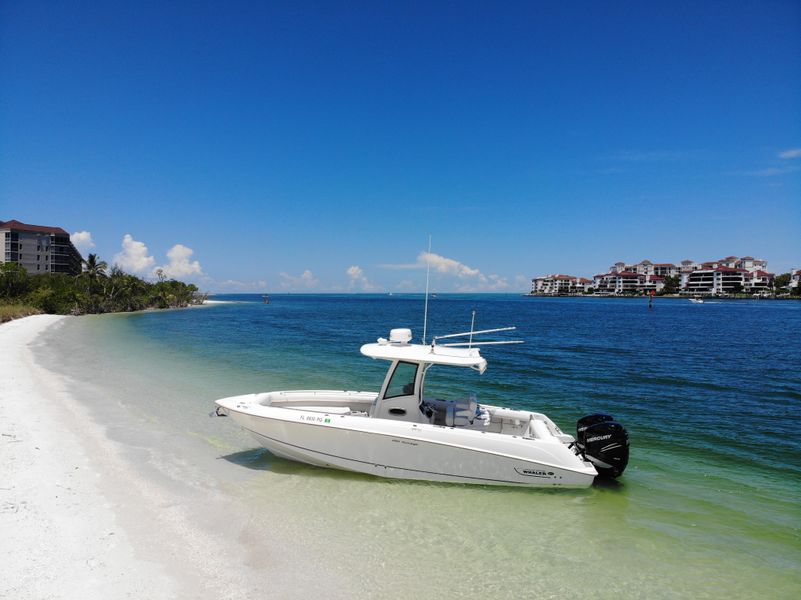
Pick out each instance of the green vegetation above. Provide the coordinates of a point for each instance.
(96, 290)
(671, 285)
(16, 311)
(781, 281)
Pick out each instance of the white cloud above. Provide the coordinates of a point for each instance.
(134, 257)
(305, 281)
(82, 240)
(179, 264)
(791, 153)
(439, 264)
(471, 279)
(449, 266)
(358, 279)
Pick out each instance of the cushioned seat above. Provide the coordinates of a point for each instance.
(460, 414)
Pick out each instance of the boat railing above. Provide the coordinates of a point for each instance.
(470, 342)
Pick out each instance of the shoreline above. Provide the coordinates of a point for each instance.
(64, 532)
(94, 503)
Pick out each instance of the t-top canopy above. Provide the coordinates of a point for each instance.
(419, 353)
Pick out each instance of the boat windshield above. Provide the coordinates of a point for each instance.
(402, 381)
(450, 383)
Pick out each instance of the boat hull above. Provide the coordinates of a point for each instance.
(411, 451)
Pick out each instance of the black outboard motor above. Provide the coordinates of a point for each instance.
(604, 442)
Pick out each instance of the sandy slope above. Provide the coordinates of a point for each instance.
(85, 516)
(77, 520)
(60, 536)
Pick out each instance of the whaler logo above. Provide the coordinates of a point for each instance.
(599, 437)
(534, 472)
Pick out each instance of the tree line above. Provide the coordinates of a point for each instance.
(97, 289)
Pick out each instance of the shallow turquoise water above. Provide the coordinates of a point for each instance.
(709, 506)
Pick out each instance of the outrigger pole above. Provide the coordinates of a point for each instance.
(472, 343)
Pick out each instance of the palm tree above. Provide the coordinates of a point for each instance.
(93, 269)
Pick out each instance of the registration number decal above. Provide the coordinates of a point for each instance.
(314, 419)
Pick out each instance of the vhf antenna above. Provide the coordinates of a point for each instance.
(472, 327)
(428, 272)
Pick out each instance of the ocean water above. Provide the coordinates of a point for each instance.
(710, 394)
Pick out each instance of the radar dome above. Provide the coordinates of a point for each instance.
(400, 336)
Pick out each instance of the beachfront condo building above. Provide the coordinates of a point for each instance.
(38, 248)
(724, 280)
(559, 285)
(627, 282)
(730, 275)
(647, 268)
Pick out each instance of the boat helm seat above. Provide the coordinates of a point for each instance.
(461, 414)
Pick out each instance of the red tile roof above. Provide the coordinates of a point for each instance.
(664, 265)
(747, 258)
(730, 270)
(16, 225)
(628, 274)
(761, 274)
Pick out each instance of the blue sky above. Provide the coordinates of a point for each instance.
(315, 145)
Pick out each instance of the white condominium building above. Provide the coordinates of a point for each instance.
(647, 268)
(627, 282)
(730, 275)
(725, 280)
(558, 285)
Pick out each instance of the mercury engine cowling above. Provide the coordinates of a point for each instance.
(604, 442)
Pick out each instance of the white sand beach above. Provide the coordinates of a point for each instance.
(79, 520)
(61, 536)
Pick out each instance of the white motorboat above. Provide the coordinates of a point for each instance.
(697, 300)
(399, 432)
